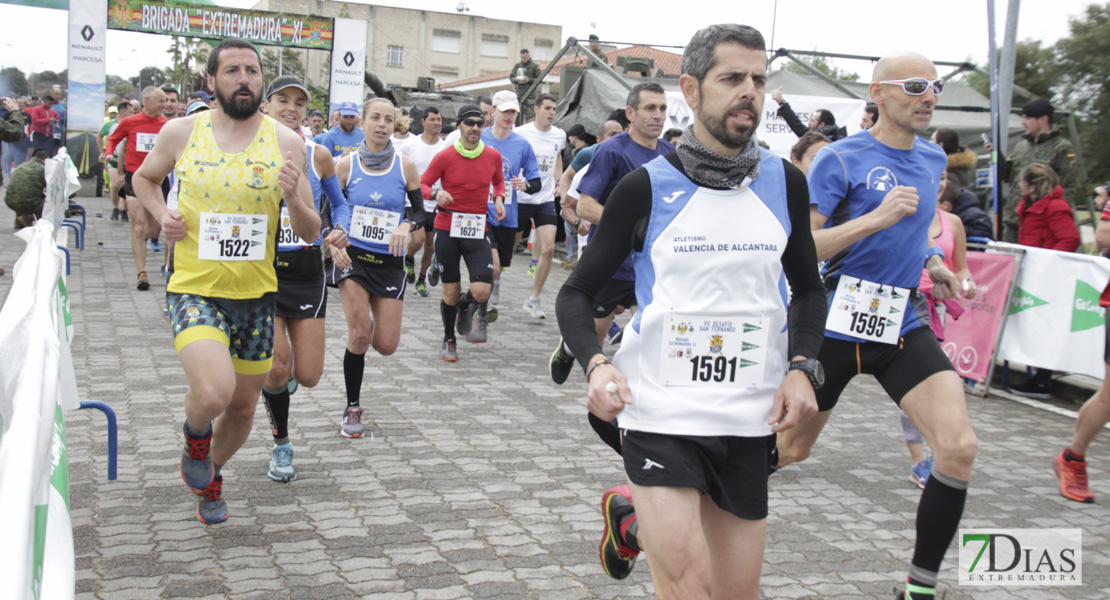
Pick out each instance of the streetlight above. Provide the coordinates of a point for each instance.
(32, 87)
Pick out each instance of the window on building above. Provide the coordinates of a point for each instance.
(395, 56)
(543, 49)
(445, 76)
(495, 45)
(445, 40)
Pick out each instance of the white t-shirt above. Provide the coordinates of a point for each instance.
(546, 145)
(421, 154)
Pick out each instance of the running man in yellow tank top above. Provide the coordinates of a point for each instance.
(234, 168)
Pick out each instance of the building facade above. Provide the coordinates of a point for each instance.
(403, 45)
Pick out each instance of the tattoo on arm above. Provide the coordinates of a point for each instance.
(304, 156)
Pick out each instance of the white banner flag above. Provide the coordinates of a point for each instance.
(348, 63)
(88, 27)
(1054, 320)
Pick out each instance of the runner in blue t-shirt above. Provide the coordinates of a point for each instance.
(344, 138)
(873, 196)
(518, 164)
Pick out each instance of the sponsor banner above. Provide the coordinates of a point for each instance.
(1021, 557)
(1054, 320)
(88, 28)
(969, 340)
(56, 4)
(217, 23)
(348, 63)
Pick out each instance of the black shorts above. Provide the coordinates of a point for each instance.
(381, 275)
(732, 470)
(502, 239)
(130, 191)
(615, 292)
(476, 253)
(301, 293)
(42, 142)
(897, 367)
(540, 214)
(429, 222)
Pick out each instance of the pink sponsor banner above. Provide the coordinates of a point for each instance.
(969, 341)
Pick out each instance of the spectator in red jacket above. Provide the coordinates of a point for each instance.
(1045, 220)
(1044, 216)
(43, 119)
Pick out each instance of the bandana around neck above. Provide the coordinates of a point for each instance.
(472, 154)
(376, 161)
(712, 170)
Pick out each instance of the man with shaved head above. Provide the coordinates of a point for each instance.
(872, 198)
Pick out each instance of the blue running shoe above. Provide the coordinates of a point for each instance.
(281, 464)
(196, 460)
(211, 507)
(919, 474)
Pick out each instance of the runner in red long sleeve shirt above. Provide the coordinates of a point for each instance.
(140, 131)
(466, 171)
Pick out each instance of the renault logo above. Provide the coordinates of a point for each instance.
(87, 32)
(348, 59)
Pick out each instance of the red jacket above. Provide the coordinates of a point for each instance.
(40, 120)
(1048, 223)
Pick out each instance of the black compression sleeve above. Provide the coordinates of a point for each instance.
(415, 211)
(622, 222)
(808, 301)
(534, 186)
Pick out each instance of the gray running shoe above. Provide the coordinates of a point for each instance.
(433, 273)
(211, 507)
(351, 426)
(281, 464)
(449, 352)
(196, 460)
(495, 294)
(532, 307)
(462, 324)
(561, 364)
(477, 333)
(491, 314)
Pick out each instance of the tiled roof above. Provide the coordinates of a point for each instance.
(670, 62)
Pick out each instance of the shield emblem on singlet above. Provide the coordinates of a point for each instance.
(235, 231)
(716, 343)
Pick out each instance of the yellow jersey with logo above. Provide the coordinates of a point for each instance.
(231, 204)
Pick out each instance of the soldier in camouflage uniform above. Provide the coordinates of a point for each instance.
(1041, 144)
(11, 126)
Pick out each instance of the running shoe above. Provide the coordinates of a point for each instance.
(155, 246)
(292, 385)
(165, 272)
(919, 474)
(1030, 389)
(143, 283)
(462, 323)
(1073, 478)
(491, 315)
(532, 307)
(123, 216)
(561, 364)
(615, 334)
(449, 352)
(351, 425)
(617, 558)
(532, 270)
(281, 464)
(196, 460)
(421, 289)
(410, 270)
(477, 333)
(570, 262)
(433, 273)
(115, 214)
(211, 507)
(495, 293)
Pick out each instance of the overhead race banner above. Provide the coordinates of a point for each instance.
(1054, 319)
(88, 28)
(56, 4)
(217, 23)
(348, 63)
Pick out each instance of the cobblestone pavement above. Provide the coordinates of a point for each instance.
(482, 479)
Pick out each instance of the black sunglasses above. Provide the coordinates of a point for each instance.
(473, 122)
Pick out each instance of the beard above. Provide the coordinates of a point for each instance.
(239, 109)
(718, 127)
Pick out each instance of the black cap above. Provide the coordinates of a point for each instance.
(594, 38)
(1037, 108)
(469, 110)
(287, 81)
(576, 131)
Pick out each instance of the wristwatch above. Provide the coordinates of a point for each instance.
(812, 368)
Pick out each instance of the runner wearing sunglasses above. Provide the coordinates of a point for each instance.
(872, 200)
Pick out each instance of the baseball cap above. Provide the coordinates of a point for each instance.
(197, 106)
(594, 38)
(348, 109)
(1037, 108)
(467, 111)
(285, 82)
(203, 95)
(506, 100)
(113, 110)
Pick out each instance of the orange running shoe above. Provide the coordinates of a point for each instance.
(1073, 478)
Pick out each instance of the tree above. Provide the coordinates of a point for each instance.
(1035, 69)
(149, 76)
(289, 64)
(187, 55)
(16, 82)
(1085, 84)
(821, 64)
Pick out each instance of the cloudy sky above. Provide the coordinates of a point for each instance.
(947, 30)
